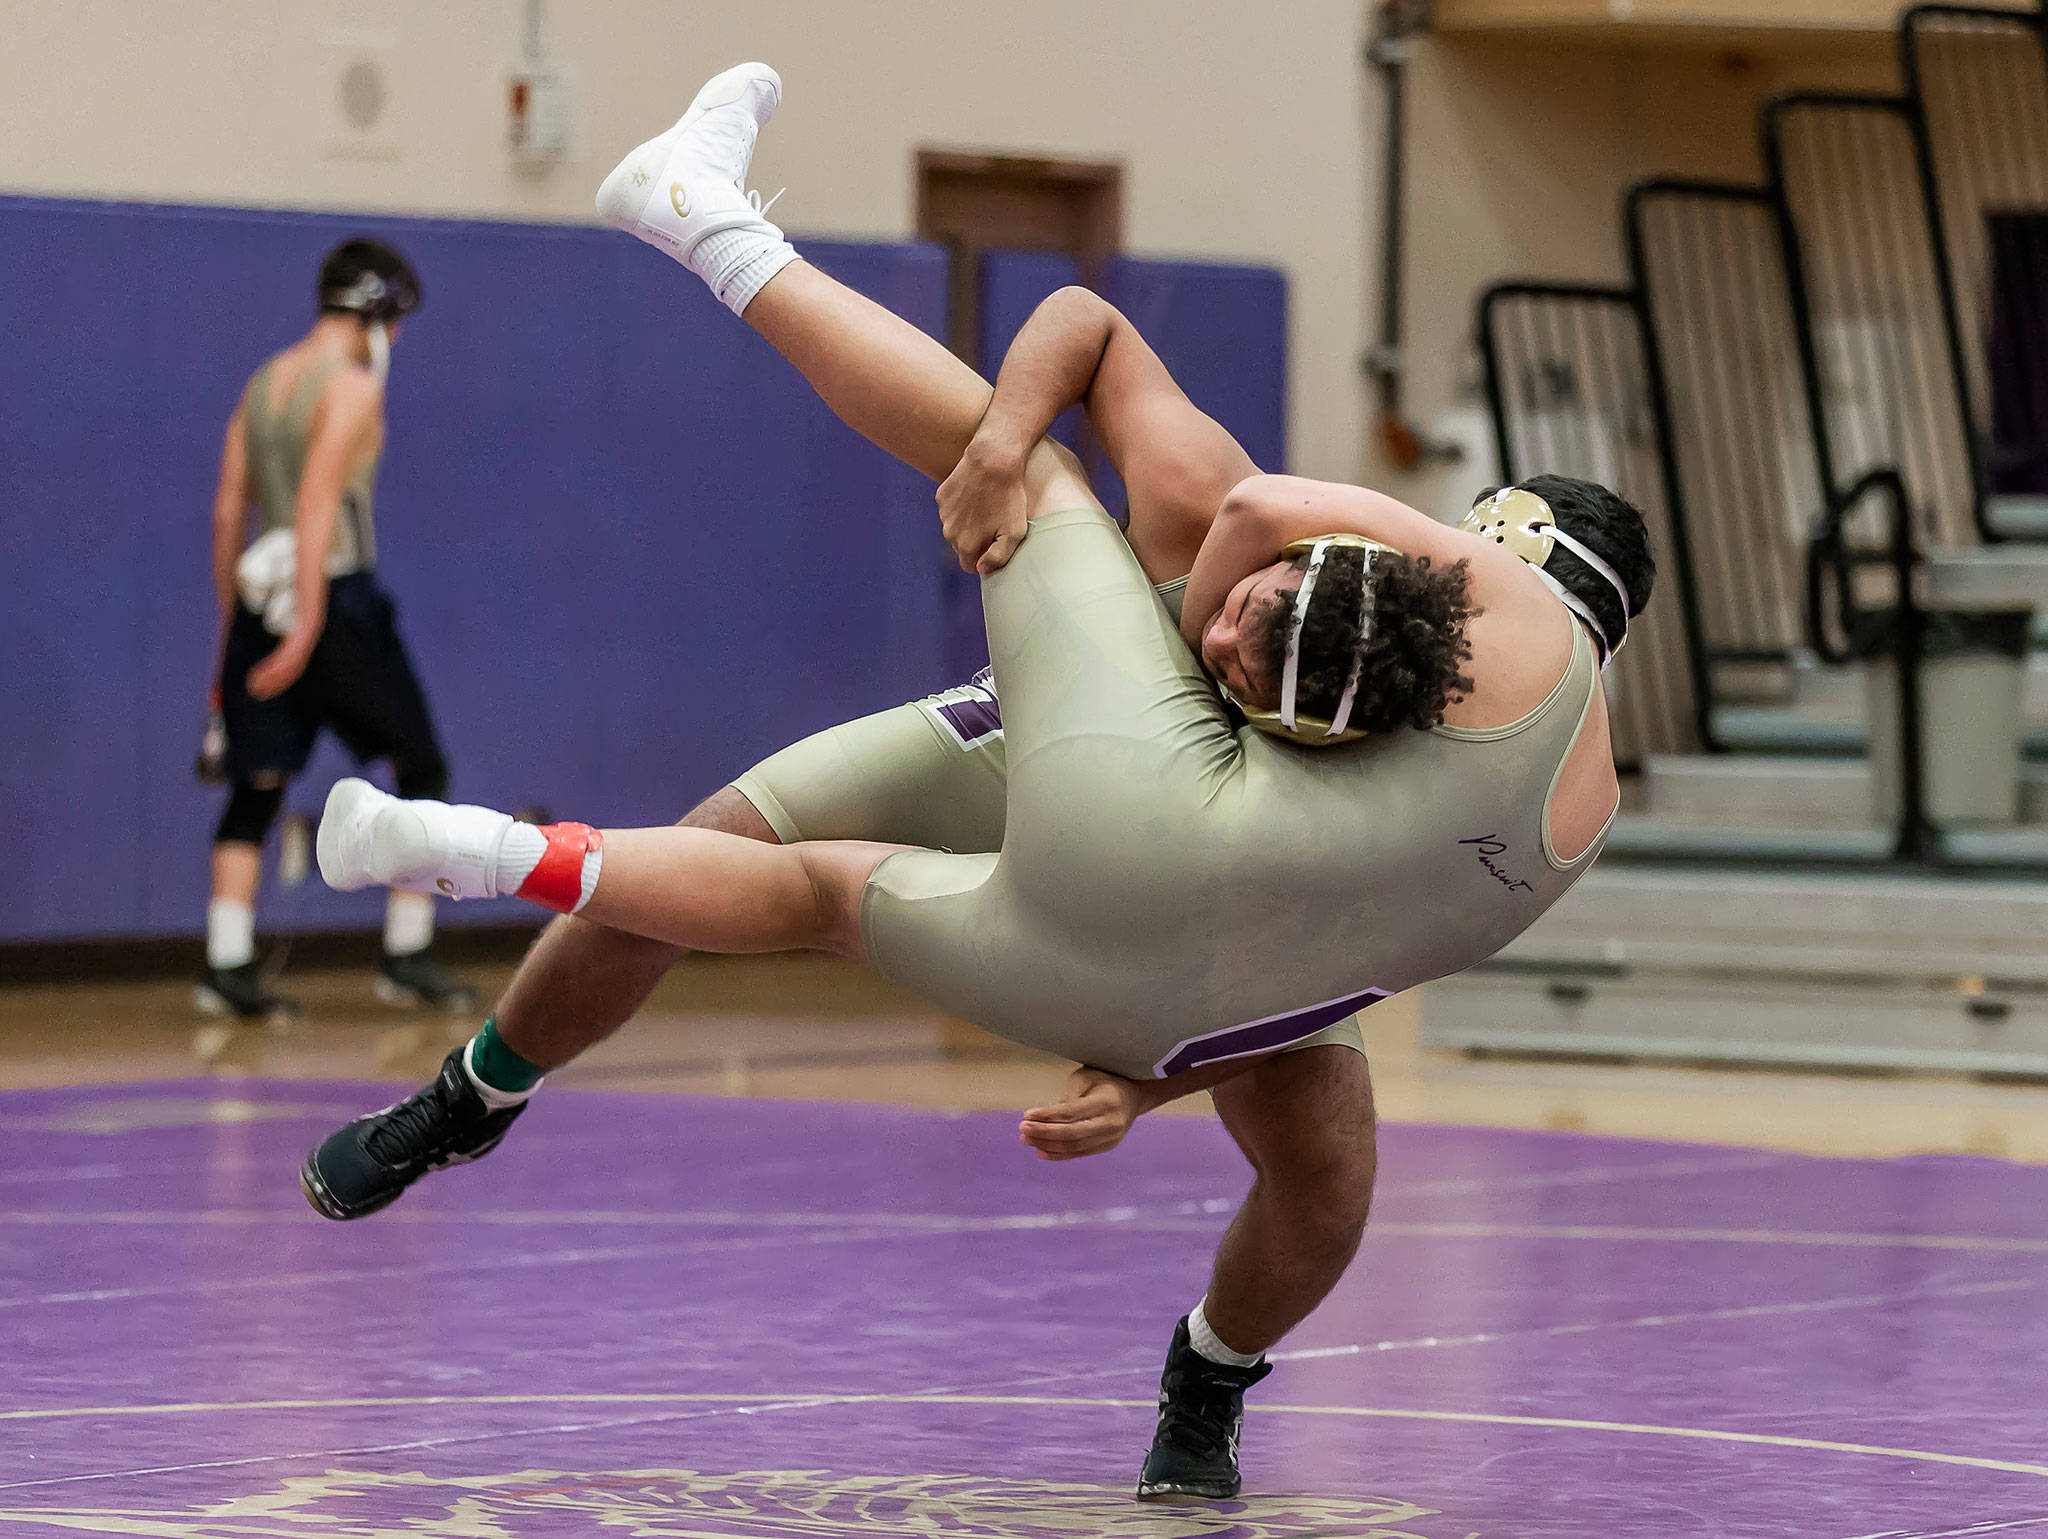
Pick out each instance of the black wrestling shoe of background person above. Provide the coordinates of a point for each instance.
(243, 992)
(1201, 1413)
(419, 978)
(367, 1164)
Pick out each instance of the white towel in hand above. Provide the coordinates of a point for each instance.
(267, 578)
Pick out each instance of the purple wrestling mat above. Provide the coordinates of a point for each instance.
(664, 1316)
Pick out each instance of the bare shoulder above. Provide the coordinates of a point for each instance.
(1296, 507)
(351, 400)
(352, 387)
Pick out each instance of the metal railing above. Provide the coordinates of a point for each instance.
(1896, 632)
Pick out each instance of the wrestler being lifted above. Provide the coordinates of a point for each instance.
(1281, 749)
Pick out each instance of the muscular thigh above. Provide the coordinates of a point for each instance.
(930, 774)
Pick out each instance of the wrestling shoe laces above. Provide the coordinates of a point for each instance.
(408, 1134)
(1201, 1415)
(369, 1163)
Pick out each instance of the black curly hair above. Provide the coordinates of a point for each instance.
(1613, 528)
(1415, 652)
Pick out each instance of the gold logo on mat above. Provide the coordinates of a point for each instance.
(754, 1504)
(679, 199)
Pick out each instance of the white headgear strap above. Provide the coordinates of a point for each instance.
(380, 351)
(1579, 606)
(1290, 674)
(1350, 695)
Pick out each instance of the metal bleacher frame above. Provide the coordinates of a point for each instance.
(1928, 958)
(1947, 499)
(1676, 658)
(1861, 264)
(1708, 261)
(1666, 667)
(1759, 618)
(1984, 136)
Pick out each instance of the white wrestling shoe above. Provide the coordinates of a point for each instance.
(370, 839)
(677, 190)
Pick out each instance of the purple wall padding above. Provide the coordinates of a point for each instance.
(633, 553)
(1221, 331)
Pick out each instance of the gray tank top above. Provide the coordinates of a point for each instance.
(1178, 887)
(1415, 855)
(1420, 853)
(277, 458)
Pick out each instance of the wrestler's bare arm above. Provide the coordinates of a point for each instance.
(1263, 514)
(230, 515)
(1096, 1108)
(1176, 461)
(895, 386)
(1520, 634)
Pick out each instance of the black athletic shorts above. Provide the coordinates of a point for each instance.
(359, 683)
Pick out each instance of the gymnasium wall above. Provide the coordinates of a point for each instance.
(632, 552)
(1249, 132)
(1243, 140)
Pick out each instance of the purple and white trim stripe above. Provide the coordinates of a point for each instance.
(1263, 1036)
(972, 713)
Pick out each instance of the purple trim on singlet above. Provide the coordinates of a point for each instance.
(1264, 1036)
(973, 720)
(977, 718)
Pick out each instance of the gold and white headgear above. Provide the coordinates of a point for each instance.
(1287, 721)
(1522, 521)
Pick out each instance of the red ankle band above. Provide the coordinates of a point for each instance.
(557, 882)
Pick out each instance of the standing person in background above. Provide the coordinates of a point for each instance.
(308, 637)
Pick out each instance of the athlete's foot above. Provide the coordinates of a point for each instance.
(683, 187)
(371, 839)
(1201, 1413)
(369, 1163)
(422, 980)
(243, 992)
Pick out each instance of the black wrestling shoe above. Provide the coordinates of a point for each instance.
(367, 1164)
(419, 978)
(1201, 1412)
(243, 992)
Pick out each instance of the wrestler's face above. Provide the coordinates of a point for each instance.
(1229, 645)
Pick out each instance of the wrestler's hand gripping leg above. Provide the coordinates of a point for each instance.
(908, 395)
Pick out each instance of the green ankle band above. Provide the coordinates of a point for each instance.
(497, 1065)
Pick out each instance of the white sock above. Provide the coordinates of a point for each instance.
(593, 864)
(1204, 1341)
(408, 923)
(520, 849)
(230, 933)
(737, 264)
(493, 1097)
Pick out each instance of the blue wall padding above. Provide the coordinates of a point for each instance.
(633, 553)
(1221, 332)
